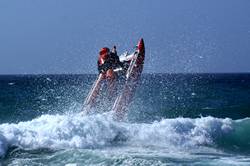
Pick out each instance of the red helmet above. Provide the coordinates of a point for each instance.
(104, 50)
(103, 55)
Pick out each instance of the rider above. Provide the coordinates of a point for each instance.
(108, 60)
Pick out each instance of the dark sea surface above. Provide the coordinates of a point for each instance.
(185, 119)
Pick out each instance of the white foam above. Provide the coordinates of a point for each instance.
(181, 131)
(3, 145)
(82, 131)
(11, 83)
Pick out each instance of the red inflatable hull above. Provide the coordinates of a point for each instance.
(132, 78)
(132, 75)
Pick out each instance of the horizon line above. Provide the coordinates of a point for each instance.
(31, 74)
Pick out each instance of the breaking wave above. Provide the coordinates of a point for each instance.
(100, 130)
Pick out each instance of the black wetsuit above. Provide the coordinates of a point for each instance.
(111, 63)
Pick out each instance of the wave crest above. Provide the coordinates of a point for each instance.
(95, 131)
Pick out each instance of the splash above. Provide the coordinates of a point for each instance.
(100, 130)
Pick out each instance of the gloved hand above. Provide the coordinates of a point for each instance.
(114, 49)
(102, 71)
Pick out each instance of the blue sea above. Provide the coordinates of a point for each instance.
(174, 119)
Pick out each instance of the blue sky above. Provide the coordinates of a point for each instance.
(63, 36)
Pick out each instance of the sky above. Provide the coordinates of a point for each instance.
(65, 36)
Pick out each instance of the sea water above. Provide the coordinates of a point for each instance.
(174, 119)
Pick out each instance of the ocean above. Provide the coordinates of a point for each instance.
(174, 119)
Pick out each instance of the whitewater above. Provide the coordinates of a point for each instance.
(177, 138)
(186, 120)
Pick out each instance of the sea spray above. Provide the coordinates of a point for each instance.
(100, 130)
(51, 132)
